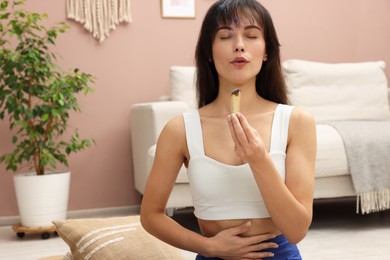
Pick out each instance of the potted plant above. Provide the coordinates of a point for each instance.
(37, 97)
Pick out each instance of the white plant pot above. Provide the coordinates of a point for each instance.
(42, 199)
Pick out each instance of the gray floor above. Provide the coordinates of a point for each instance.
(337, 232)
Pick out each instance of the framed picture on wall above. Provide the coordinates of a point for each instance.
(178, 8)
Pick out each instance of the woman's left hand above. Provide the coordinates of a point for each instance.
(248, 144)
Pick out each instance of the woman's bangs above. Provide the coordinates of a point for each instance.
(232, 15)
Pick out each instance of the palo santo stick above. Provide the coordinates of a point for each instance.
(235, 100)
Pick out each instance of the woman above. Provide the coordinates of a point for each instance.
(251, 173)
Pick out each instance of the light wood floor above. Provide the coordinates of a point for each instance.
(336, 233)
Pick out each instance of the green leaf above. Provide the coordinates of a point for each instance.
(4, 17)
(36, 95)
(45, 117)
(19, 2)
(3, 5)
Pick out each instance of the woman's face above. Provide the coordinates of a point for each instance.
(238, 53)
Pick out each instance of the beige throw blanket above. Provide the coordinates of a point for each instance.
(367, 145)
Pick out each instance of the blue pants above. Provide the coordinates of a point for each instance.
(285, 251)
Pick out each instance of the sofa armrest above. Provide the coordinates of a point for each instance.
(147, 121)
(388, 94)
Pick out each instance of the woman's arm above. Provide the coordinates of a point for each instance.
(169, 158)
(289, 203)
(171, 152)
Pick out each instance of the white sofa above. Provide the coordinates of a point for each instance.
(332, 92)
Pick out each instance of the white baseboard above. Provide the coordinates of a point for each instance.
(85, 213)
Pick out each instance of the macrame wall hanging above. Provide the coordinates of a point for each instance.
(99, 16)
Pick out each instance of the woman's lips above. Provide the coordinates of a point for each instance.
(239, 62)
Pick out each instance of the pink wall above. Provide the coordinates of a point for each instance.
(132, 65)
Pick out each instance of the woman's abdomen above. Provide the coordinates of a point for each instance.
(210, 228)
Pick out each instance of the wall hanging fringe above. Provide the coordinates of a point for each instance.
(99, 16)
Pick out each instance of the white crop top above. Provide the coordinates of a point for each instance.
(220, 191)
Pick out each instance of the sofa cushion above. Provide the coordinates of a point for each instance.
(182, 81)
(331, 156)
(112, 238)
(343, 91)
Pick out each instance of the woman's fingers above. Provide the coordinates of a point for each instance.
(236, 129)
(241, 130)
(258, 255)
(230, 243)
(248, 143)
(254, 240)
(253, 249)
(233, 124)
(246, 127)
(235, 231)
(232, 130)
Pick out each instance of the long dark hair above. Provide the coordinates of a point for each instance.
(270, 83)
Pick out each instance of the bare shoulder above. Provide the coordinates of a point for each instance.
(172, 137)
(302, 127)
(302, 136)
(174, 128)
(301, 119)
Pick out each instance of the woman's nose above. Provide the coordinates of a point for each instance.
(239, 45)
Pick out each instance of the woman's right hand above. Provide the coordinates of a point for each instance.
(229, 245)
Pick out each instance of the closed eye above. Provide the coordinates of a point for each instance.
(225, 37)
(253, 32)
(225, 34)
